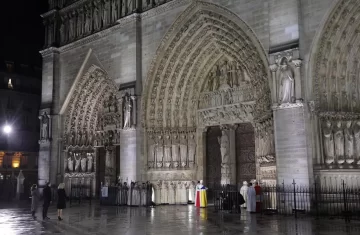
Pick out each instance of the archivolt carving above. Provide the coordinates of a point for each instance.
(197, 40)
(85, 106)
(336, 63)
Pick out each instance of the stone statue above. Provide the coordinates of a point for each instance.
(349, 143)
(224, 147)
(78, 141)
(90, 162)
(175, 150)
(127, 111)
(167, 151)
(108, 159)
(159, 151)
(328, 140)
(70, 163)
(96, 16)
(356, 130)
(84, 138)
(339, 143)
(216, 82)
(62, 33)
(151, 151)
(77, 162)
(83, 164)
(211, 78)
(72, 138)
(224, 80)
(287, 86)
(192, 148)
(71, 27)
(88, 21)
(80, 22)
(45, 127)
(114, 8)
(105, 12)
(183, 150)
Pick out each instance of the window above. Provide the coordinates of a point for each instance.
(10, 85)
(2, 154)
(15, 163)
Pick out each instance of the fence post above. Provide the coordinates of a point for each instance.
(295, 198)
(346, 213)
(316, 200)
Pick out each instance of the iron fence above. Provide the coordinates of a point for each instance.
(133, 195)
(80, 193)
(334, 201)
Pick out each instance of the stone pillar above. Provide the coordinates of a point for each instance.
(201, 154)
(129, 167)
(273, 85)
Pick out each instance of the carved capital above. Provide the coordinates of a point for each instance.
(297, 63)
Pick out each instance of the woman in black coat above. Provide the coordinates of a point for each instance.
(61, 204)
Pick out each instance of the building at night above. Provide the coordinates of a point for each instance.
(175, 91)
(20, 95)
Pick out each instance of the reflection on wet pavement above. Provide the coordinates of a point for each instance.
(174, 220)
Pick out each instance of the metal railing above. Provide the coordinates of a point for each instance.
(80, 193)
(133, 195)
(334, 201)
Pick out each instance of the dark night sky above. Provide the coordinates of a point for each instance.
(21, 31)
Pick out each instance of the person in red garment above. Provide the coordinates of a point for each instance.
(258, 197)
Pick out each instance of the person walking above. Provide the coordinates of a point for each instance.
(34, 200)
(47, 200)
(61, 204)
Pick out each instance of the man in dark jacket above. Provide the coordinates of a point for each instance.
(47, 200)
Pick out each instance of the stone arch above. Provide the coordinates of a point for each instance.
(86, 104)
(202, 35)
(334, 64)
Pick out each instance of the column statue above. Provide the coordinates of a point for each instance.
(44, 126)
(127, 111)
(192, 149)
(356, 130)
(151, 151)
(211, 77)
(77, 162)
(159, 151)
(224, 147)
(328, 140)
(115, 9)
(167, 151)
(349, 143)
(339, 143)
(70, 163)
(105, 12)
(90, 162)
(83, 164)
(88, 21)
(96, 16)
(175, 150)
(183, 150)
(287, 86)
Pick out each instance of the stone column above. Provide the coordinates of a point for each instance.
(128, 155)
(273, 69)
(228, 169)
(201, 154)
(297, 64)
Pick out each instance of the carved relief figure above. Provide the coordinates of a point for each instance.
(89, 162)
(88, 21)
(211, 78)
(192, 148)
(96, 16)
(77, 162)
(84, 138)
(183, 150)
(175, 150)
(114, 8)
(83, 164)
(167, 151)
(224, 147)
(159, 151)
(62, 32)
(328, 140)
(71, 26)
(127, 111)
(44, 126)
(339, 143)
(349, 143)
(287, 85)
(151, 151)
(224, 79)
(105, 12)
(70, 163)
(357, 139)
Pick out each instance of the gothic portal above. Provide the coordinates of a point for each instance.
(181, 90)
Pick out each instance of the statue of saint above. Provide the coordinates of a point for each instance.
(192, 148)
(70, 163)
(96, 16)
(357, 139)
(183, 150)
(211, 81)
(175, 150)
(339, 143)
(114, 13)
(106, 11)
(287, 85)
(89, 162)
(88, 21)
(224, 147)
(151, 151)
(83, 164)
(127, 111)
(71, 27)
(44, 126)
(159, 151)
(77, 162)
(167, 151)
(224, 79)
(328, 140)
(349, 143)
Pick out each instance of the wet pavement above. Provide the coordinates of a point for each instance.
(173, 220)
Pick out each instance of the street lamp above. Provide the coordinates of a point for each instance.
(7, 129)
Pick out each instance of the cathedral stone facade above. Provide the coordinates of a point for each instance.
(174, 91)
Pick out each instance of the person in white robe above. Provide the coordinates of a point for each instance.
(243, 192)
(251, 199)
